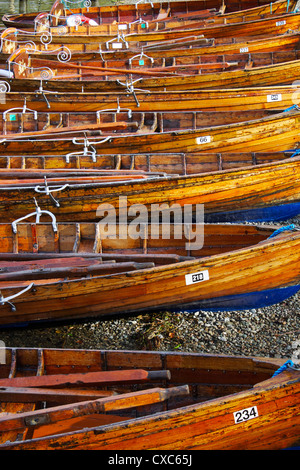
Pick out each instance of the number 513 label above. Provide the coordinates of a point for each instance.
(244, 415)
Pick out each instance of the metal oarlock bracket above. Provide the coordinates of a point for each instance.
(46, 190)
(6, 300)
(119, 38)
(140, 1)
(117, 110)
(140, 56)
(130, 89)
(38, 214)
(85, 152)
(24, 110)
(140, 21)
(87, 144)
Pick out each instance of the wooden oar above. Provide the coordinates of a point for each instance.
(110, 126)
(100, 377)
(61, 413)
(138, 257)
(212, 65)
(103, 70)
(12, 266)
(73, 271)
(56, 395)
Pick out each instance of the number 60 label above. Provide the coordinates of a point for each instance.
(244, 415)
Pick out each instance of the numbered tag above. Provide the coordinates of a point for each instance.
(122, 26)
(116, 45)
(280, 23)
(245, 415)
(196, 277)
(205, 139)
(244, 49)
(274, 97)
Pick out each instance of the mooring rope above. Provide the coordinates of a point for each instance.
(287, 365)
(282, 229)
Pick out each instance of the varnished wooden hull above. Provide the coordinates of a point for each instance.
(278, 74)
(121, 69)
(165, 20)
(74, 40)
(237, 187)
(129, 13)
(204, 419)
(240, 99)
(247, 270)
(23, 122)
(280, 130)
(125, 13)
(188, 48)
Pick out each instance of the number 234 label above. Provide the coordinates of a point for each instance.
(245, 415)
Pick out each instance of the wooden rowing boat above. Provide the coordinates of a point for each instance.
(232, 187)
(190, 46)
(162, 401)
(277, 98)
(279, 131)
(129, 14)
(24, 122)
(125, 13)
(27, 66)
(177, 49)
(24, 128)
(283, 73)
(89, 23)
(79, 41)
(223, 266)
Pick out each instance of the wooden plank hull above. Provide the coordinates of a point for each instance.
(160, 21)
(241, 99)
(263, 271)
(125, 13)
(245, 189)
(202, 420)
(27, 66)
(184, 48)
(74, 40)
(129, 13)
(278, 74)
(23, 122)
(258, 135)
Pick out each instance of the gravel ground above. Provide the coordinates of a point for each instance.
(268, 332)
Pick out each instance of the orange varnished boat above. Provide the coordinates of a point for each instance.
(146, 16)
(125, 13)
(280, 130)
(233, 187)
(217, 75)
(138, 400)
(141, 266)
(240, 99)
(24, 65)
